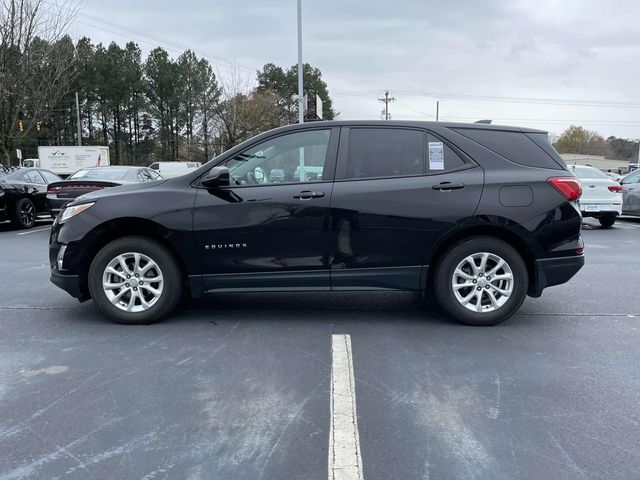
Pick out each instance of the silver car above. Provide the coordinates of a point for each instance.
(631, 193)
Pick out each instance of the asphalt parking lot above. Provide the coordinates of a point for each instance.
(238, 386)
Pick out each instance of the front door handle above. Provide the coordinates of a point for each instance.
(446, 186)
(308, 195)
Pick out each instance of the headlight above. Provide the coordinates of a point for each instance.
(69, 212)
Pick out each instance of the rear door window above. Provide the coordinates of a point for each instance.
(440, 156)
(384, 152)
(395, 152)
(34, 177)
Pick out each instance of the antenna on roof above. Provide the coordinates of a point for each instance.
(488, 122)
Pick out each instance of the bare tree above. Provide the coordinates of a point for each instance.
(243, 112)
(36, 65)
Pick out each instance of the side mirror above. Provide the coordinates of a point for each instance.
(217, 177)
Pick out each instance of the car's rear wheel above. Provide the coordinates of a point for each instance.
(607, 221)
(481, 281)
(135, 280)
(24, 215)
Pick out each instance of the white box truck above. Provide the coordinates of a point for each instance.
(66, 160)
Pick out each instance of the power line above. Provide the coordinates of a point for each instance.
(496, 98)
(226, 62)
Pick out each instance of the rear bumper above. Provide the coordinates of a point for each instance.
(604, 209)
(55, 204)
(555, 271)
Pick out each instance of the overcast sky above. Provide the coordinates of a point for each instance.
(575, 51)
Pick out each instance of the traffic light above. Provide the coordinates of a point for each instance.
(20, 126)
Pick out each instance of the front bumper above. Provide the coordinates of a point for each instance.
(555, 271)
(68, 283)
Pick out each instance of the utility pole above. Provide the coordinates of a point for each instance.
(79, 125)
(300, 70)
(437, 110)
(386, 100)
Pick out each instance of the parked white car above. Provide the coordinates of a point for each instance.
(601, 196)
(174, 169)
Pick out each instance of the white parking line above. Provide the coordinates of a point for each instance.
(35, 231)
(345, 461)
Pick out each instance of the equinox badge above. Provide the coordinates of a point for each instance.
(220, 246)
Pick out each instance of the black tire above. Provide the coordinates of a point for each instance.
(172, 278)
(607, 221)
(24, 215)
(444, 272)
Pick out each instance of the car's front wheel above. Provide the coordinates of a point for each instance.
(135, 280)
(481, 281)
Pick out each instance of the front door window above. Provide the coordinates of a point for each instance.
(293, 158)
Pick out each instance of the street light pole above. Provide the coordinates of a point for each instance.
(300, 88)
(78, 121)
(300, 72)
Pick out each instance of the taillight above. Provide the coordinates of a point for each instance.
(615, 188)
(569, 187)
(53, 189)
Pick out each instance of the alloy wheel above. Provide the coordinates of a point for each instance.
(27, 214)
(482, 282)
(133, 282)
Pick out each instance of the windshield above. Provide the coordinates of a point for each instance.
(588, 172)
(108, 173)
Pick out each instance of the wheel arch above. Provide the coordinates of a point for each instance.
(126, 227)
(504, 234)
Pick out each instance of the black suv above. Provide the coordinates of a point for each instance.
(478, 215)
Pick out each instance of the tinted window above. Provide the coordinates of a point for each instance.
(441, 157)
(33, 176)
(281, 159)
(385, 152)
(514, 146)
(542, 140)
(154, 166)
(50, 177)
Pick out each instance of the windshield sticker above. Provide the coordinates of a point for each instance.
(436, 156)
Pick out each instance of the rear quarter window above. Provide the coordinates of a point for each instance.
(517, 147)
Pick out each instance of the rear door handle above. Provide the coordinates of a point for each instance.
(308, 195)
(448, 186)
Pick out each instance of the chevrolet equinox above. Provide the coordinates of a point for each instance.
(477, 215)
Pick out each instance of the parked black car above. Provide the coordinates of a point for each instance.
(23, 195)
(95, 178)
(477, 215)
